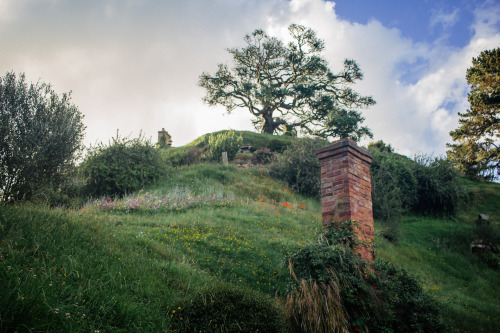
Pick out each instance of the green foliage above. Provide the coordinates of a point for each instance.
(439, 191)
(186, 155)
(276, 143)
(385, 300)
(476, 151)
(426, 185)
(394, 185)
(228, 308)
(405, 306)
(41, 137)
(124, 165)
(380, 146)
(263, 156)
(289, 87)
(225, 142)
(299, 166)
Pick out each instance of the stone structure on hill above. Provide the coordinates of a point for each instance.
(164, 139)
(346, 190)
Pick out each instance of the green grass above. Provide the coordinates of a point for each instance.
(437, 252)
(256, 140)
(125, 272)
(113, 271)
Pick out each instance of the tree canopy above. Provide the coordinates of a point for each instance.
(477, 151)
(289, 87)
(41, 134)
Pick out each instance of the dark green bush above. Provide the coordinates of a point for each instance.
(394, 185)
(299, 166)
(425, 185)
(41, 138)
(263, 156)
(124, 165)
(385, 299)
(405, 305)
(439, 191)
(228, 308)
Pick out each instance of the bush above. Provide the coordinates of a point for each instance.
(333, 281)
(122, 166)
(394, 185)
(425, 185)
(179, 156)
(223, 142)
(405, 305)
(439, 191)
(263, 156)
(299, 166)
(228, 308)
(41, 136)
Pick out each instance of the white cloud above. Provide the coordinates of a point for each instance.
(135, 65)
(446, 20)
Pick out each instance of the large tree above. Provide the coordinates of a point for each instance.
(289, 87)
(41, 133)
(477, 147)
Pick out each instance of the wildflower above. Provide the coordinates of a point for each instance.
(9, 268)
(374, 285)
(68, 315)
(286, 204)
(50, 284)
(356, 328)
(34, 276)
(56, 311)
(43, 269)
(302, 206)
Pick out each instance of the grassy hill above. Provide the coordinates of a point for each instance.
(110, 267)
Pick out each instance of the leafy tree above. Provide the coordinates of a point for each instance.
(477, 151)
(41, 135)
(289, 87)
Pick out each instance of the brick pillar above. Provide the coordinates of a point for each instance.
(346, 189)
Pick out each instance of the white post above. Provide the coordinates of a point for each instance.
(224, 158)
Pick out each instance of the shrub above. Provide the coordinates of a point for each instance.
(223, 142)
(179, 156)
(263, 156)
(394, 185)
(425, 185)
(299, 166)
(405, 305)
(41, 136)
(439, 191)
(332, 281)
(228, 308)
(125, 165)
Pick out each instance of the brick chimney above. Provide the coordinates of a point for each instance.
(346, 189)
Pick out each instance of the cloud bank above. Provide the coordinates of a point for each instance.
(134, 65)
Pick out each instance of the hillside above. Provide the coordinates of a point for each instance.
(108, 267)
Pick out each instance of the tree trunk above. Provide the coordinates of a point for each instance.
(267, 124)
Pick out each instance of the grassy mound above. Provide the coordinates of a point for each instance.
(127, 270)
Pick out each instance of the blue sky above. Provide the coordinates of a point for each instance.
(133, 65)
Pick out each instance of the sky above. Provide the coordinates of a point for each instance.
(133, 65)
